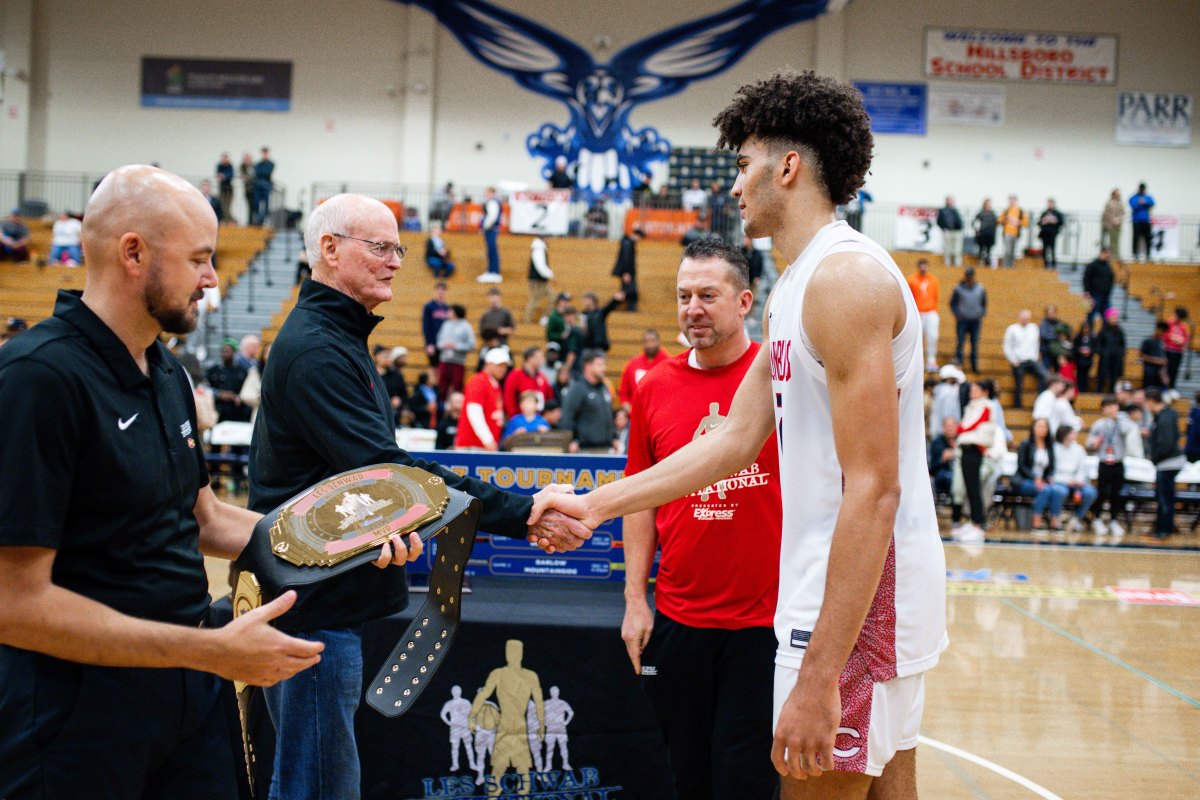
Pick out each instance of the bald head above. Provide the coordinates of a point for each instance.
(148, 202)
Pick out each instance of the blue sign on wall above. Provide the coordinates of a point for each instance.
(895, 107)
(601, 558)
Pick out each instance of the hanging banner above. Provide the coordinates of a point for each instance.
(967, 105)
(1164, 238)
(1152, 118)
(916, 229)
(895, 107)
(545, 213)
(1014, 56)
(235, 85)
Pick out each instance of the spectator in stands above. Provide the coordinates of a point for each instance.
(718, 209)
(924, 287)
(433, 314)
(226, 379)
(942, 452)
(423, 402)
(553, 414)
(527, 419)
(528, 378)
(636, 368)
(968, 303)
(985, 224)
(1046, 405)
(992, 389)
(1035, 476)
(540, 276)
(695, 198)
(556, 322)
(1111, 220)
(224, 173)
(560, 178)
(951, 223)
(248, 351)
(1110, 347)
(1191, 449)
(698, 231)
(483, 404)
(1064, 407)
(856, 209)
(491, 231)
(625, 268)
(246, 171)
(595, 320)
(65, 238)
(976, 434)
(1021, 349)
(1153, 357)
(573, 342)
(1141, 204)
(588, 408)
(1050, 224)
(1012, 221)
(264, 169)
(1053, 338)
(455, 341)
(443, 204)
(946, 398)
(596, 220)
(621, 427)
(1098, 279)
(437, 255)
(251, 393)
(1176, 342)
(1071, 472)
(754, 258)
(1107, 439)
(496, 323)
(549, 370)
(1083, 353)
(13, 328)
(14, 238)
(447, 427)
(393, 379)
(1168, 460)
(214, 202)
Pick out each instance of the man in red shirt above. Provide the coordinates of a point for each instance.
(528, 378)
(706, 656)
(924, 286)
(483, 404)
(651, 355)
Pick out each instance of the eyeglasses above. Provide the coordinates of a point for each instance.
(381, 249)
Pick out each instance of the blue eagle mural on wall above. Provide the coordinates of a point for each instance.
(610, 154)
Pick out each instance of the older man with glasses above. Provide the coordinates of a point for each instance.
(324, 410)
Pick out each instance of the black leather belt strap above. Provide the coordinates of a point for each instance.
(416, 657)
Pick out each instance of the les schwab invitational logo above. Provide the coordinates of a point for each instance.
(511, 742)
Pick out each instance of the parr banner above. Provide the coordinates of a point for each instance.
(1015, 56)
(916, 229)
(236, 85)
(545, 213)
(1154, 118)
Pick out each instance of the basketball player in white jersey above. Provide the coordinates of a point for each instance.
(861, 612)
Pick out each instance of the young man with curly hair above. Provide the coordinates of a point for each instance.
(861, 612)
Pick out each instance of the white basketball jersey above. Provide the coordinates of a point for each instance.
(905, 629)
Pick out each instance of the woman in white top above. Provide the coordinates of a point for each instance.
(64, 241)
(1070, 471)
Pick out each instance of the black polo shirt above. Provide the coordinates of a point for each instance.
(103, 464)
(324, 409)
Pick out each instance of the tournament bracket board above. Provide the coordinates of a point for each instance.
(601, 558)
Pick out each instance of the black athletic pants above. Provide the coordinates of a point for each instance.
(712, 693)
(1110, 480)
(1141, 240)
(972, 461)
(72, 731)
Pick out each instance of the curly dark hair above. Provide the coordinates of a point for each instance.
(821, 115)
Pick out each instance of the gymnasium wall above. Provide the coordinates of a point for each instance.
(382, 93)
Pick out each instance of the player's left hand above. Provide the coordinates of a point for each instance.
(395, 552)
(804, 737)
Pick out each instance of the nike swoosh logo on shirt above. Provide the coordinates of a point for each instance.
(125, 423)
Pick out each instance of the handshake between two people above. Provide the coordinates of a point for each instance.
(560, 520)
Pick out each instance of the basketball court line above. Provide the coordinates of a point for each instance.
(1080, 547)
(1004, 772)
(1066, 634)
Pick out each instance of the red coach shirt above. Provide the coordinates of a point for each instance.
(720, 547)
(635, 370)
(484, 390)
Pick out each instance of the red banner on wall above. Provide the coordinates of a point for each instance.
(663, 224)
(469, 217)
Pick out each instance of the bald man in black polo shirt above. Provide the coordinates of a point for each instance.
(109, 682)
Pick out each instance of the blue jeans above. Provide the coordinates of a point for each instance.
(1100, 304)
(74, 251)
(493, 252)
(440, 266)
(316, 757)
(1087, 496)
(1052, 495)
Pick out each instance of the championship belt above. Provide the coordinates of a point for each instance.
(321, 544)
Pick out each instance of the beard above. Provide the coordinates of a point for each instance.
(173, 319)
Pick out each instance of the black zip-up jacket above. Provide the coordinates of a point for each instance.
(1164, 436)
(325, 410)
(1025, 460)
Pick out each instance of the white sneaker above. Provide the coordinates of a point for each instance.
(490, 277)
(969, 534)
(1073, 525)
(1099, 528)
(1115, 528)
